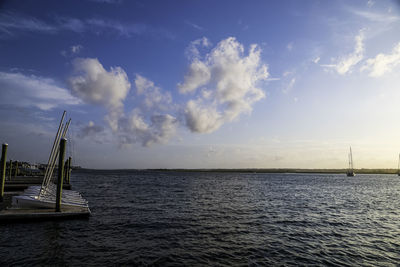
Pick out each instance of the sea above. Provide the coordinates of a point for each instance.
(166, 218)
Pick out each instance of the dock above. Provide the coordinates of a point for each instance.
(28, 215)
(42, 197)
(20, 183)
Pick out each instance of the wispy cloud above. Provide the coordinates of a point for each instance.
(193, 25)
(376, 16)
(344, 64)
(289, 86)
(26, 91)
(11, 24)
(73, 50)
(383, 63)
(289, 46)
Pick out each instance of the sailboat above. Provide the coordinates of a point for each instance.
(350, 170)
(44, 196)
(398, 167)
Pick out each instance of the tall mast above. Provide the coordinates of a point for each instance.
(351, 159)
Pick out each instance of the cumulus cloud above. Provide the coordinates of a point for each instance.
(22, 90)
(136, 128)
(193, 50)
(221, 85)
(153, 97)
(90, 130)
(93, 84)
(198, 75)
(345, 63)
(150, 122)
(225, 81)
(147, 124)
(383, 63)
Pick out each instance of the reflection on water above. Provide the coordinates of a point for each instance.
(218, 219)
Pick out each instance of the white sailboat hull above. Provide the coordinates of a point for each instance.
(30, 199)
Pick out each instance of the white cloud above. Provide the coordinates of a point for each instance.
(195, 26)
(345, 63)
(198, 75)
(147, 124)
(32, 91)
(202, 119)
(376, 17)
(289, 86)
(193, 51)
(290, 46)
(93, 84)
(75, 49)
(10, 22)
(154, 98)
(136, 129)
(383, 63)
(93, 131)
(231, 79)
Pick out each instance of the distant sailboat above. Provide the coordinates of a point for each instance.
(350, 170)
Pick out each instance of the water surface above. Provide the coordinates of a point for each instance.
(224, 219)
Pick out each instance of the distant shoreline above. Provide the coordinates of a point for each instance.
(277, 170)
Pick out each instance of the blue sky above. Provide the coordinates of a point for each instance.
(203, 84)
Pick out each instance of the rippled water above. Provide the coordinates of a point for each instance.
(156, 218)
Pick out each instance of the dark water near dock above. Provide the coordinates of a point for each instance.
(156, 218)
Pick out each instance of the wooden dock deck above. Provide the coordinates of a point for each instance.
(28, 215)
(20, 183)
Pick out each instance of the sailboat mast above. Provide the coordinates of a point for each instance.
(351, 159)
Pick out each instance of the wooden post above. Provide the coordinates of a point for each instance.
(10, 170)
(16, 169)
(69, 169)
(61, 156)
(3, 170)
(66, 172)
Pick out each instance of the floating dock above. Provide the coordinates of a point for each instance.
(28, 215)
(42, 197)
(20, 183)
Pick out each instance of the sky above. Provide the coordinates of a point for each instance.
(202, 84)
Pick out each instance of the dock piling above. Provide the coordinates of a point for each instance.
(61, 156)
(10, 170)
(3, 170)
(69, 169)
(16, 169)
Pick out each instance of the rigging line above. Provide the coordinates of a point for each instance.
(53, 148)
(46, 182)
